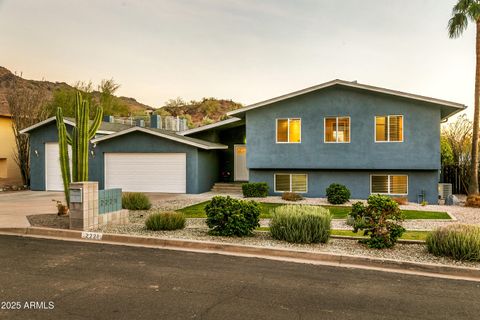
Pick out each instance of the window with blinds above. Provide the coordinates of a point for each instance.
(389, 184)
(337, 130)
(289, 130)
(388, 128)
(289, 182)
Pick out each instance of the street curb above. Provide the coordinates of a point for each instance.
(424, 269)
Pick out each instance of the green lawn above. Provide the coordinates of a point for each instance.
(407, 235)
(338, 212)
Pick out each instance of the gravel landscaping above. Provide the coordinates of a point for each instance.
(459, 214)
(197, 230)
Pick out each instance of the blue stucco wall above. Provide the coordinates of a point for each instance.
(208, 169)
(228, 137)
(358, 182)
(38, 138)
(420, 149)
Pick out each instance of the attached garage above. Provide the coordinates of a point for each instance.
(146, 172)
(136, 159)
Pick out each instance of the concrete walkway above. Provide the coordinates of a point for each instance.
(16, 206)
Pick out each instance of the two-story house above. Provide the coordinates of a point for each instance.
(371, 139)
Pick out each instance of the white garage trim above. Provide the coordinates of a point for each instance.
(146, 172)
(66, 121)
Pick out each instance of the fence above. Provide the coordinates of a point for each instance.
(109, 200)
(458, 176)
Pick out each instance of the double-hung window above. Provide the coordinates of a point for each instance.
(289, 130)
(389, 184)
(389, 129)
(337, 130)
(291, 182)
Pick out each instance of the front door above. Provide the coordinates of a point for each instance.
(241, 171)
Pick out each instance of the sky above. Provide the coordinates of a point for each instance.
(243, 50)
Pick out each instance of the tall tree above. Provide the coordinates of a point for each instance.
(463, 12)
(27, 107)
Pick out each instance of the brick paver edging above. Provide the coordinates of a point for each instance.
(425, 269)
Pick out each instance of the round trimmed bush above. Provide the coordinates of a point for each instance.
(165, 221)
(135, 201)
(291, 196)
(301, 224)
(337, 193)
(458, 241)
(232, 217)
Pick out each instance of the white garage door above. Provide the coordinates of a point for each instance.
(146, 172)
(53, 173)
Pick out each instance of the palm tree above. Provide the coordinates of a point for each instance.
(463, 12)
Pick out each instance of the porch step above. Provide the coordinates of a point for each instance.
(225, 187)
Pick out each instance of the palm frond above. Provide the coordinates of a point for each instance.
(462, 6)
(457, 24)
(473, 11)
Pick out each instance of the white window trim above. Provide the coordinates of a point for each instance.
(388, 184)
(290, 174)
(288, 130)
(336, 124)
(388, 128)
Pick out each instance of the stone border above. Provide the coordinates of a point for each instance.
(387, 265)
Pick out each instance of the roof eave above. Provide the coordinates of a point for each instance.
(180, 138)
(240, 112)
(210, 126)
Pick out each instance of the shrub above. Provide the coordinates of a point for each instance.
(380, 219)
(291, 196)
(255, 189)
(232, 217)
(301, 224)
(337, 193)
(458, 241)
(165, 221)
(400, 200)
(135, 201)
(473, 201)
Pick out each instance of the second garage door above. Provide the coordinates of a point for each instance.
(146, 172)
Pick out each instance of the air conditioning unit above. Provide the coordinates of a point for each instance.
(444, 190)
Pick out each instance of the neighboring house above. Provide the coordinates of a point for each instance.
(9, 171)
(373, 140)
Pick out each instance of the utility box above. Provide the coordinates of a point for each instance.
(444, 190)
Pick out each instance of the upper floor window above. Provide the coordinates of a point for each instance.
(337, 129)
(289, 130)
(388, 128)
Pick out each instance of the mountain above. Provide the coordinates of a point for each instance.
(8, 80)
(205, 111)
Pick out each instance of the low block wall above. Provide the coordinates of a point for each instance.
(85, 202)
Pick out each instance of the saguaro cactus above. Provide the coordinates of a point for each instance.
(82, 133)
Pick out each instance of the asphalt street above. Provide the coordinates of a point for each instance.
(49, 279)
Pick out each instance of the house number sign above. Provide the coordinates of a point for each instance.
(75, 195)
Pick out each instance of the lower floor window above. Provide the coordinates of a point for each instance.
(291, 182)
(389, 184)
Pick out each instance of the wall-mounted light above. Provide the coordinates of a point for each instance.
(36, 153)
(92, 153)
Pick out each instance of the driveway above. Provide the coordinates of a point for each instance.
(16, 206)
(100, 281)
